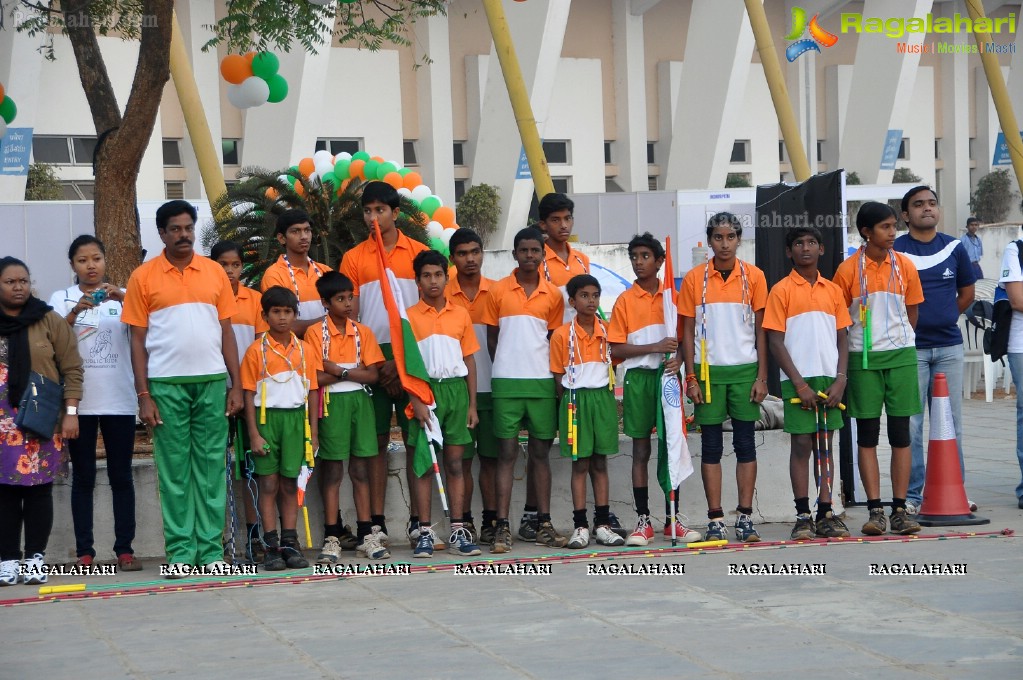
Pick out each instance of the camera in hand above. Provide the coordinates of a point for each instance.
(99, 296)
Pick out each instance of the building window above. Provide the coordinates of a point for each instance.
(650, 153)
(339, 145)
(556, 152)
(458, 153)
(78, 190)
(408, 149)
(904, 149)
(781, 151)
(740, 151)
(174, 190)
(63, 150)
(736, 180)
(820, 150)
(171, 153)
(937, 149)
(607, 153)
(54, 150)
(230, 149)
(562, 185)
(971, 145)
(459, 189)
(651, 183)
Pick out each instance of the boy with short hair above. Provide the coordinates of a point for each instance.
(721, 305)
(588, 416)
(521, 313)
(246, 324)
(471, 290)
(380, 203)
(447, 342)
(638, 340)
(561, 262)
(294, 269)
(350, 357)
(806, 321)
(279, 376)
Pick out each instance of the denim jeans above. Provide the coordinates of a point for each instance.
(1016, 368)
(930, 361)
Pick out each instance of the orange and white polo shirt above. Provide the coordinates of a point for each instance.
(181, 311)
(638, 319)
(444, 337)
(475, 307)
(521, 363)
(303, 285)
(350, 347)
(248, 321)
(889, 287)
(268, 362)
(559, 272)
(361, 266)
(727, 319)
(580, 359)
(810, 316)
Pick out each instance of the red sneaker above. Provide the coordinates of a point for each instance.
(643, 534)
(683, 534)
(85, 561)
(128, 562)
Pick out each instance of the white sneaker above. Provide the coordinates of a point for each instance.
(580, 538)
(973, 506)
(912, 508)
(34, 570)
(331, 552)
(372, 545)
(10, 572)
(605, 536)
(217, 567)
(178, 570)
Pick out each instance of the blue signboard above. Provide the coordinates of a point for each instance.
(1002, 150)
(16, 146)
(522, 170)
(892, 142)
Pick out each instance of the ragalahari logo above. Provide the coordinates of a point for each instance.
(818, 36)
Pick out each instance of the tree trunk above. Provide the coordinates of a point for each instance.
(119, 155)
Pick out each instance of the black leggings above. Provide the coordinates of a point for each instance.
(28, 505)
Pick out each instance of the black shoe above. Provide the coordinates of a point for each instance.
(272, 559)
(293, 556)
(347, 539)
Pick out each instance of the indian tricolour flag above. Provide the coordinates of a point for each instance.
(674, 463)
(407, 359)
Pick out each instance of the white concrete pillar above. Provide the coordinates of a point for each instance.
(630, 95)
(881, 90)
(193, 17)
(20, 68)
(802, 83)
(712, 91)
(955, 134)
(538, 31)
(435, 147)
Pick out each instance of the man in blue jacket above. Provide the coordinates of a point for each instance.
(948, 278)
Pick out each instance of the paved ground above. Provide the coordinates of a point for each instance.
(704, 623)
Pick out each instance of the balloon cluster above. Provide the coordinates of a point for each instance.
(8, 110)
(345, 167)
(253, 79)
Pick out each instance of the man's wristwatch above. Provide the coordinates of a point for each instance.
(344, 374)
(71, 410)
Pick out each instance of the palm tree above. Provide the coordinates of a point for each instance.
(247, 214)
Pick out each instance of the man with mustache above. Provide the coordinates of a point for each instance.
(179, 306)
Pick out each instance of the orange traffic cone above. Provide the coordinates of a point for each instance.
(944, 501)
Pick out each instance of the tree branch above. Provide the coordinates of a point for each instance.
(99, 91)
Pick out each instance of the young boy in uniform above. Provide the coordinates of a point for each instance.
(806, 322)
(279, 376)
(522, 311)
(883, 290)
(246, 324)
(447, 343)
(581, 363)
(295, 270)
(380, 203)
(350, 357)
(469, 289)
(638, 340)
(722, 309)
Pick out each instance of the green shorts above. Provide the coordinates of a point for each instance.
(896, 388)
(284, 432)
(347, 429)
(641, 399)
(798, 421)
(240, 432)
(484, 442)
(452, 398)
(727, 401)
(384, 405)
(539, 415)
(596, 423)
